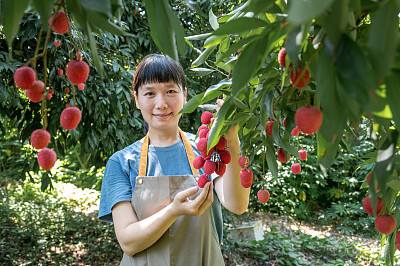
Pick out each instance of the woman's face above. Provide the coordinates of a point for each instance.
(160, 104)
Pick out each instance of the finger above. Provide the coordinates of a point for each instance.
(183, 195)
(202, 196)
(208, 201)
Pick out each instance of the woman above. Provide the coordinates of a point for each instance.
(149, 189)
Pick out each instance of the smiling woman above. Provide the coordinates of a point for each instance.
(149, 189)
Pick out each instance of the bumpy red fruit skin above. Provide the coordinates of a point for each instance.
(70, 117)
(368, 178)
(282, 57)
(284, 122)
(268, 127)
(263, 195)
(203, 179)
(24, 77)
(303, 154)
(60, 72)
(202, 145)
(81, 86)
(225, 156)
(206, 117)
(198, 162)
(203, 133)
(201, 127)
(246, 178)
(47, 158)
(57, 43)
(243, 162)
(294, 76)
(308, 119)
(35, 93)
(281, 156)
(368, 205)
(296, 168)
(77, 71)
(398, 245)
(209, 167)
(221, 168)
(221, 143)
(385, 224)
(40, 138)
(398, 237)
(60, 24)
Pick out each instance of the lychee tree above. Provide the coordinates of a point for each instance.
(340, 66)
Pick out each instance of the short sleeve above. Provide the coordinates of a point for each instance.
(116, 187)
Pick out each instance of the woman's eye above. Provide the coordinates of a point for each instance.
(148, 94)
(171, 91)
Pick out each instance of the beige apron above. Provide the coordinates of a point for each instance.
(191, 239)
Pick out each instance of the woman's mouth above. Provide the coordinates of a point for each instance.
(162, 116)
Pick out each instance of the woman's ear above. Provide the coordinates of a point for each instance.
(136, 100)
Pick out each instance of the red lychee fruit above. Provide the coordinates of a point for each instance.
(209, 167)
(202, 145)
(204, 132)
(243, 162)
(295, 131)
(308, 119)
(221, 143)
(284, 122)
(282, 57)
(263, 195)
(67, 105)
(303, 154)
(51, 91)
(246, 177)
(60, 23)
(81, 86)
(35, 93)
(296, 168)
(24, 77)
(201, 127)
(368, 205)
(67, 90)
(398, 237)
(368, 178)
(294, 76)
(60, 72)
(70, 117)
(206, 117)
(203, 180)
(385, 224)
(281, 156)
(268, 127)
(40, 138)
(57, 43)
(77, 71)
(48, 96)
(198, 162)
(135, 12)
(398, 245)
(221, 168)
(225, 156)
(47, 158)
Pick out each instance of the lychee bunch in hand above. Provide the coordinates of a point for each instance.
(216, 159)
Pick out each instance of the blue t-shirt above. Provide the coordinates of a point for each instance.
(123, 167)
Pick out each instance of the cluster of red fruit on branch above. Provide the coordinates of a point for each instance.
(25, 77)
(384, 223)
(212, 159)
(298, 77)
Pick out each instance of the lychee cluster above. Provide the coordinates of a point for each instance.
(217, 157)
(40, 138)
(297, 77)
(384, 223)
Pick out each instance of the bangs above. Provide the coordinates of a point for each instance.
(158, 69)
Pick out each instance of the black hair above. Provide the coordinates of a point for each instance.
(158, 68)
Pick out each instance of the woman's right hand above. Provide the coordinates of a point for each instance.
(182, 205)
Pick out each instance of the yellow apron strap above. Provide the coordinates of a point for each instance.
(189, 152)
(144, 152)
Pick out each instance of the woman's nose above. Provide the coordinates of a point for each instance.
(161, 103)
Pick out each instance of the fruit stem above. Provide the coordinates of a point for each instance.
(37, 49)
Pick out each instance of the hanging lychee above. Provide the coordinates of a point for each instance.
(263, 195)
(60, 23)
(70, 117)
(47, 158)
(246, 177)
(308, 119)
(35, 93)
(77, 71)
(295, 78)
(24, 77)
(206, 117)
(282, 156)
(40, 138)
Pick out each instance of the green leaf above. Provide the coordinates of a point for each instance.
(203, 56)
(268, 103)
(202, 71)
(271, 158)
(393, 96)
(394, 183)
(239, 25)
(219, 123)
(301, 11)
(248, 63)
(11, 14)
(196, 8)
(46, 182)
(93, 49)
(198, 37)
(222, 84)
(240, 104)
(213, 20)
(336, 21)
(102, 22)
(102, 6)
(44, 7)
(192, 104)
(214, 40)
(383, 37)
